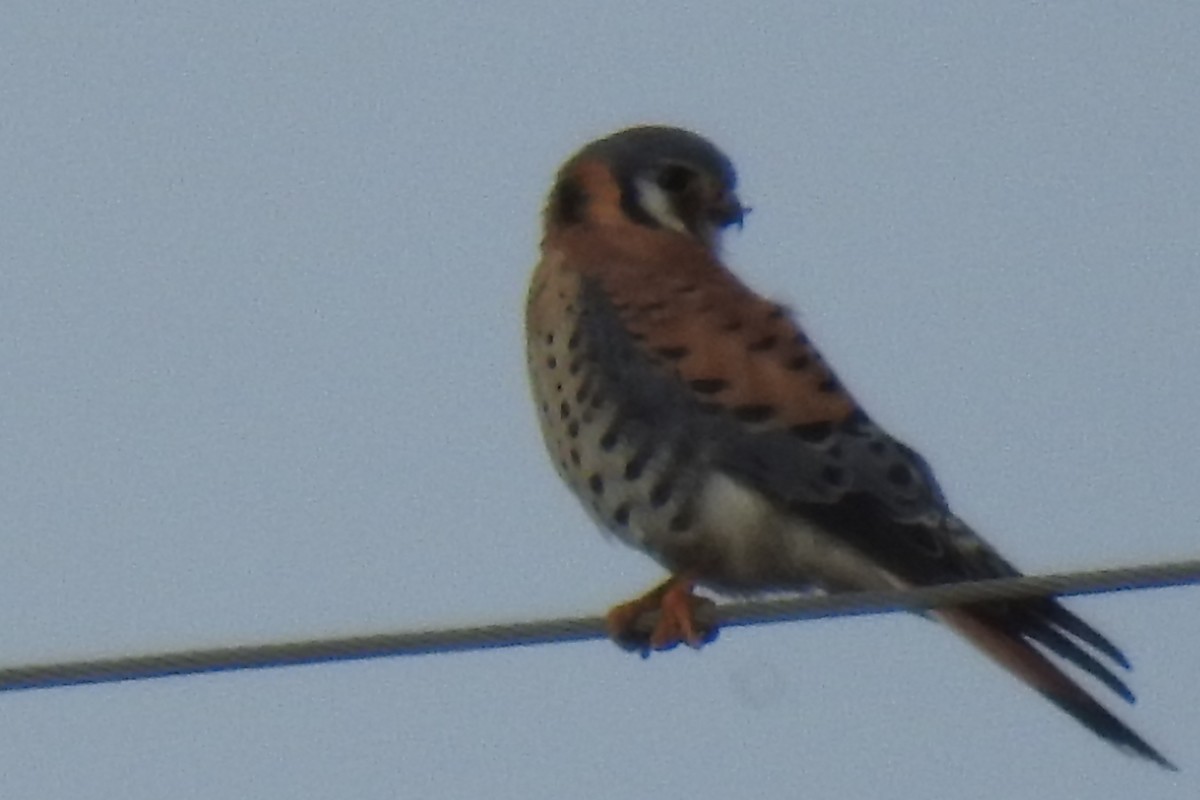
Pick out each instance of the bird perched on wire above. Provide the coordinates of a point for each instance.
(697, 422)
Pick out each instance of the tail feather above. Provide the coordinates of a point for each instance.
(1056, 614)
(1008, 647)
(1054, 640)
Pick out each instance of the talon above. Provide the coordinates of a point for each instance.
(677, 623)
(624, 628)
(675, 606)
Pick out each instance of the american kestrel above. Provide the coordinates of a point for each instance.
(697, 422)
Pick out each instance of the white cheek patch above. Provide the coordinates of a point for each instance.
(655, 202)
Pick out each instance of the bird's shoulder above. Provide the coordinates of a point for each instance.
(678, 306)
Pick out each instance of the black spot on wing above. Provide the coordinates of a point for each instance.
(900, 475)
(799, 363)
(833, 475)
(763, 344)
(708, 385)
(755, 413)
(672, 353)
(813, 432)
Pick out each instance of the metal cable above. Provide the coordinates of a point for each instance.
(519, 634)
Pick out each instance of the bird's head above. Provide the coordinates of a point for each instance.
(655, 176)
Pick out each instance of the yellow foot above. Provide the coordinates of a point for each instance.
(663, 618)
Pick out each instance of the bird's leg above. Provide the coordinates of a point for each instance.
(672, 607)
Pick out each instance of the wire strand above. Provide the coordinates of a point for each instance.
(574, 629)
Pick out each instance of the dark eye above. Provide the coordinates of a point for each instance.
(674, 178)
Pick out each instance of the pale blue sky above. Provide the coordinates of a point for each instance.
(260, 299)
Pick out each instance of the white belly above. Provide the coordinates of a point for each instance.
(760, 546)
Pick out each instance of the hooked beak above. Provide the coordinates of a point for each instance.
(728, 210)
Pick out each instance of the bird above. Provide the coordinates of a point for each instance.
(697, 422)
